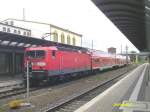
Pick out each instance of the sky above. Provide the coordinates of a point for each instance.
(80, 16)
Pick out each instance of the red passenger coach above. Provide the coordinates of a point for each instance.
(102, 60)
(48, 62)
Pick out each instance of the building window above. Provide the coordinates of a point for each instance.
(28, 33)
(15, 31)
(19, 32)
(8, 30)
(62, 38)
(55, 36)
(24, 33)
(4, 29)
(68, 39)
(11, 23)
(74, 41)
(6, 23)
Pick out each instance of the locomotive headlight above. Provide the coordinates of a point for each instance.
(41, 64)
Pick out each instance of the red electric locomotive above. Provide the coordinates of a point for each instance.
(56, 62)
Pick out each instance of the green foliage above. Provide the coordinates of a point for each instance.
(29, 111)
(133, 56)
(1, 109)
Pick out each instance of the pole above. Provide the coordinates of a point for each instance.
(126, 54)
(92, 44)
(24, 14)
(28, 81)
(149, 59)
(121, 49)
(50, 33)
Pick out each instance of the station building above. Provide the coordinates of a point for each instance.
(50, 32)
(13, 43)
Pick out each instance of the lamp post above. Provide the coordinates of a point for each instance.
(29, 70)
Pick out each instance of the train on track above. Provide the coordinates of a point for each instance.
(55, 62)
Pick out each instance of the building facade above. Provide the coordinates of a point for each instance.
(65, 36)
(10, 28)
(50, 32)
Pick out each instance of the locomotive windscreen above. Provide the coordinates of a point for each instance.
(35, 54)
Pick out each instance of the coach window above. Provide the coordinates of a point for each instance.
(55, 36)
(53, 54)
(68, 39)
(62, 38)
(96, 60)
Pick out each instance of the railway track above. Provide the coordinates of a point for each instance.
(13, 92)
(74, 103)
(8, 90)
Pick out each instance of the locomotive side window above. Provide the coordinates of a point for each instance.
(53, 54)
(40, 54)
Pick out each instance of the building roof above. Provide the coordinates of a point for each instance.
(20, 42)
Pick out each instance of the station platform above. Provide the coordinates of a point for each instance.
(130, 94)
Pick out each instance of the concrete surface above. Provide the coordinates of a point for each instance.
(10, 81)
(133, 89)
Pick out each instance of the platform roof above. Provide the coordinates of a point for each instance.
(132, 17)
(13, 42)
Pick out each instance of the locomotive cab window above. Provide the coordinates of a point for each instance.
(53, 54)
(35, 54)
